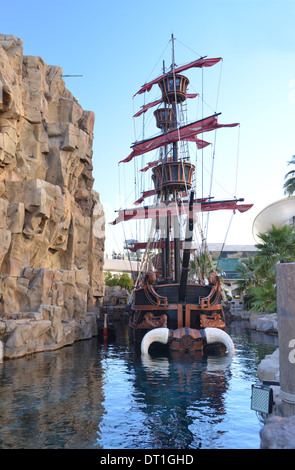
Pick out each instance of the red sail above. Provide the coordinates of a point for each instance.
(154, 103)
(152, 192)
(145, 194)
(174, 209)
(188, 132)
(199, 63)
(150, 165)
(155, 163)
(146, 107)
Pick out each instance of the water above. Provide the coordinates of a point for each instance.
(88, 396)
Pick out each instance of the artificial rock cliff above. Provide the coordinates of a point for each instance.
(51, 220)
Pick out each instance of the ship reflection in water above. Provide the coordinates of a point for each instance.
(92, 395)
(191, 393)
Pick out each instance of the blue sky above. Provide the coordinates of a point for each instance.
(117, 47)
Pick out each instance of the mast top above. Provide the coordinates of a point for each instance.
(173, 54)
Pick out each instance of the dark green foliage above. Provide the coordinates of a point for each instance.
(289, 185)
(258, 272)
(123, 280)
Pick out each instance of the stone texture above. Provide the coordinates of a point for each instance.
(278, 433)
(51, 219)
(114, 303)
(269, 367)
(263, 322)
(266, 323)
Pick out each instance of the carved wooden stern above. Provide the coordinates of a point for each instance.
(158, 306)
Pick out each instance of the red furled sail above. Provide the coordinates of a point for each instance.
(152, 192)
(146, 107)
(145, 194)
(175, 209)
(188, 132)
(150, 165)
(154, 163)
(199, 63)
(154, 103)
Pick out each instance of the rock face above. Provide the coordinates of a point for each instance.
(266, 323)
(263, 322)
(51, 220)
(278, 433)
(269, 367)
(115, 302)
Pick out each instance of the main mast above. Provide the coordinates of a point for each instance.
(171, 176)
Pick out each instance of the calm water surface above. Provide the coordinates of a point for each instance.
(88, 396)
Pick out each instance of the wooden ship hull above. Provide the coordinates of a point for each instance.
(160, 307)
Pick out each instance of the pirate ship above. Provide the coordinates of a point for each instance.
(166, 307)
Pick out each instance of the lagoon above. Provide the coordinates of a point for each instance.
(94, 396)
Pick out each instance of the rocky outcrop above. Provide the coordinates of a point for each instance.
(269, 367)
(51, 219)
(278, 433)
(115, 303)
(262, 322)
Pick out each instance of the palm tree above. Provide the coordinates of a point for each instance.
(278, 245)
(201, 267)
(289, 185)
(258, 274)
(263, 298)
(248, 270)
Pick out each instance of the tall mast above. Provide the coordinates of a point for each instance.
(175, 159)
(173, 59)
(171, 176)
(186, 253)
(174, 102)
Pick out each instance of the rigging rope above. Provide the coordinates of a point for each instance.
(188, 47)
(123, 228)
(145, 256)
(218, 89)
(235, 193)
(214, 144)
(237, 161)
(211, 178)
